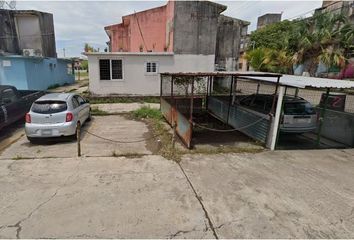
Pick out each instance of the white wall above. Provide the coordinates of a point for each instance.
(135, 80)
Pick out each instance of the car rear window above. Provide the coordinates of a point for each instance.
(49, 107)
(298, 108)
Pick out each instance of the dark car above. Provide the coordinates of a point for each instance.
(14, 104)
(298, 115)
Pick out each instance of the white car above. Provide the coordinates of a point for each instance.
(56, 115)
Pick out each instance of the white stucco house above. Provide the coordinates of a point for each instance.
(137, 73)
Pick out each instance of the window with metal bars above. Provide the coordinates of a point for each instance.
(111, 69)
(151, 67)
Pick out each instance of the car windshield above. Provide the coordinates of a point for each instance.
(298, 108)
(49, 107)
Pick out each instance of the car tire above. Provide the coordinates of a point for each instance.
(32, 140)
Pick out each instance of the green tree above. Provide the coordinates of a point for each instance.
(89, 48)
(84, 64)
(324, 37)
(270, 60)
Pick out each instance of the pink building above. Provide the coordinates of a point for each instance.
(145, 31)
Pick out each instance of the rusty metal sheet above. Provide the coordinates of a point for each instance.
(166, 110)
(183, 128)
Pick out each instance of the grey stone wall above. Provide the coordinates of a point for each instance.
(8, 35)
(9, 42)
(268, 19)
(228, 42)
(195, 27)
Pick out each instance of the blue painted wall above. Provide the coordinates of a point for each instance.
(32, 73)
(14, 74)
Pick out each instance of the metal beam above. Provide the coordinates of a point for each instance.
(275, 128)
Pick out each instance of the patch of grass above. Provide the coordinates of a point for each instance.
(223, 150)
(98, 100)
(72, 90)
(127, 155)
(147, 112)
(18, 157)
(98, 112)
(114, 154)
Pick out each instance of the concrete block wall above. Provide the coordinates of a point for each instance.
(135, 80)
(9, 39)
(196, 26)
(34, 73)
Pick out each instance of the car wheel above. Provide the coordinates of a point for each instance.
(33, 140)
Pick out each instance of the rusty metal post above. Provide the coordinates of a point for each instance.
(173, 107)
(192, 102)
(207, 95)
(230, 99)
(258, 86)
(161, 78)
(78, 136)
(235, 88)
(174, 135)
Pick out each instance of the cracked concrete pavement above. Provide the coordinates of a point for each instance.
(144, 197)
(282, 194)
(113, 127)
(47, 193)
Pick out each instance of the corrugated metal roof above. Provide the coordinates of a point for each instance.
(303, 82)
(285, 80)
(128, 53)
(223, 73)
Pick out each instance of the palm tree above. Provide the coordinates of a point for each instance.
(258, 59)
(323, 38)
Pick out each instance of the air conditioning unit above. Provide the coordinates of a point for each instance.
(28, 52)
(38, 53)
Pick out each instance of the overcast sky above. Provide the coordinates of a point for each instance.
(79, 22)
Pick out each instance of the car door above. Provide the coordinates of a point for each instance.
(76, 108)
(85, 108)
(9, 104)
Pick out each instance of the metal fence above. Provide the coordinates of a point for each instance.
(222, 96)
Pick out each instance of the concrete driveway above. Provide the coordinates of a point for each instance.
(47, 192)
(98, 197)
(113, 127)
(285, 194)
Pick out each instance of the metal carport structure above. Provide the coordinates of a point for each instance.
(179, 109)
